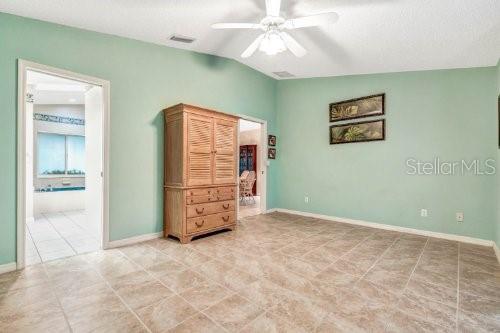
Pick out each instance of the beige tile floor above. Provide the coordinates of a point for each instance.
(275, 273)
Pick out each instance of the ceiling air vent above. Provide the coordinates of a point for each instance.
(283, 74)
(182, 39)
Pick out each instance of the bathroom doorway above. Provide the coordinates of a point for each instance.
(62, 155)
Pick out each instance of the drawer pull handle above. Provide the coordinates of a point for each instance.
(191, 193)
(199, 212)
(225, 206)
(200, 224)
(192, 200)
(209, 198)
(225, 218)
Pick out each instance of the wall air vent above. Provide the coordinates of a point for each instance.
(182, 39)
(283, 74)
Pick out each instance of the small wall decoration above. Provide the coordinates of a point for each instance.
(373, 130)
(271, 140)
(358, 108)
(271, 153)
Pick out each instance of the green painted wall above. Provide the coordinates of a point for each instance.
(449, 114)
(145, 78)
(445, 113)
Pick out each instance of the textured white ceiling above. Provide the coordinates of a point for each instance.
(50, 89)
(372, 36)
(246, 125)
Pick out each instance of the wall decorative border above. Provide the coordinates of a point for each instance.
(58, 119)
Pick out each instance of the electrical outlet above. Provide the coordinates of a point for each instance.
(423, 212)
(460, 217)
(306, 199)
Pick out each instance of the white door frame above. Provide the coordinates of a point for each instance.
(22, 67)
(262, 160)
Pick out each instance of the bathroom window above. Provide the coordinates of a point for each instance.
(61, 155)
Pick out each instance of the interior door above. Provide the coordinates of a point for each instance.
(224, 151)
(199, 150)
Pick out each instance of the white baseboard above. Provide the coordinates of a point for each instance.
(5, 268)
(497, 251)
(458, 238)
(133, 240)
(272, 210)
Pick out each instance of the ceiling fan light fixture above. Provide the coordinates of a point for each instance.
(272, 44)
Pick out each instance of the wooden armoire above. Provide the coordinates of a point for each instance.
(200, 171)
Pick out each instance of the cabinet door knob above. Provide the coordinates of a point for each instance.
(202, 209)
(200, 224)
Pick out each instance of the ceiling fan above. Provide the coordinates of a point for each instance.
(275, 39)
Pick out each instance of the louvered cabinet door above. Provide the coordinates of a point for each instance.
(199, 150)
(224, 151)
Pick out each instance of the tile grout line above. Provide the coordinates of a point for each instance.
(409, 279)
(377, 261)
(79, 226)
(117, 295)
(60, 235)
(231, 292)
(174, 292)
(418, 261)
(340, 258)
(66, 240)
(57, 297)
(380, 257)
(36, 247)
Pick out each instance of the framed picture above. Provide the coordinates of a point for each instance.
(271, 153)
(271, 140)
(373, 130)
(368, 106)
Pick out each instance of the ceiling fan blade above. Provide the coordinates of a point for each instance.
(236, 26)
(293, 45)
(273, 7)
(253, 47)
(312, 21)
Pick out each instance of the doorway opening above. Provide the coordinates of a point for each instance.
(62, 156)
(251, 167)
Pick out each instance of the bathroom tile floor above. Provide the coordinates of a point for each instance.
(58, 235)
(275, 273)
(249, 207)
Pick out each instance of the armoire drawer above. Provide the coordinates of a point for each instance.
(209, 208)
(225, 196)
(226, 190)
(197, 224)
(197, 199)
(201, 191)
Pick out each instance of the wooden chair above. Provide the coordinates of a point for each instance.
(246, 186)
